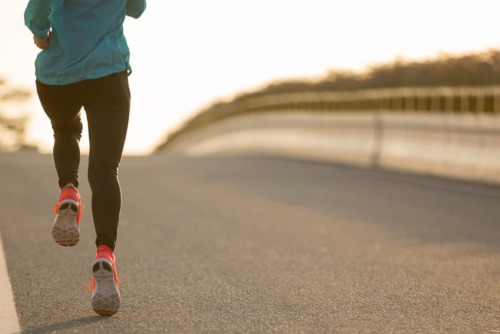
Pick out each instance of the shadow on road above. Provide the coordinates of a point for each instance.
(73, 323)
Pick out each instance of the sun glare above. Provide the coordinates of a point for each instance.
(188, 54)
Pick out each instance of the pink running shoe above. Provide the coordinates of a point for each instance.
(106, 296)
(68, 210)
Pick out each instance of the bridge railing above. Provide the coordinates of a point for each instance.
(453, 132)
(483, 100)
(458, 99)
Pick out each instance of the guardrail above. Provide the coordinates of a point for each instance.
(452, 132)
(435, 99)
(462, 99)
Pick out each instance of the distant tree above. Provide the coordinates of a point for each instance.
(475, 69)
(12, 128)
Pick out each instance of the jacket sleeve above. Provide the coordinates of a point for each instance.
(135, 8)
(36, 17)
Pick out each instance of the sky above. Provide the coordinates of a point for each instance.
(188, 54)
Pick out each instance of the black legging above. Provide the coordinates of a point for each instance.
(106, 102)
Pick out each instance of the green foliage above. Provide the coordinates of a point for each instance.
(12, 128)
(477, 69)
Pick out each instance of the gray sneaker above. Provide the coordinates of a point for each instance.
(106, 298)
(68, 210)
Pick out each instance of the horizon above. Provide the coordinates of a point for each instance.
(206, 55)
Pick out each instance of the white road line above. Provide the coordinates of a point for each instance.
(9, 323)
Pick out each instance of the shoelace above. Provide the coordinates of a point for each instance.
(91, 285)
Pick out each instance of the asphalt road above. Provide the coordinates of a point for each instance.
(260, 245)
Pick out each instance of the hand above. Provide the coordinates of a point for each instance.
(44, 42)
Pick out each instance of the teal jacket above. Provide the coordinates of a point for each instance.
(87, 37)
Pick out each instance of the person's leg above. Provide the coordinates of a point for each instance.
(62, 106)
(107, 105)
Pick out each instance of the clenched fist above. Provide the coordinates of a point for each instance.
(44, 42)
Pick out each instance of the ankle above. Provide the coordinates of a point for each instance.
(105, 251)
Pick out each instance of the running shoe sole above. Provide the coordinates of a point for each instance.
(66, 231)
(106, 297)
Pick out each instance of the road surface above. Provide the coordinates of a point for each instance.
(260, 245)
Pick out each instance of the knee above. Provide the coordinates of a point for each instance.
(102, 175)
(70, 127)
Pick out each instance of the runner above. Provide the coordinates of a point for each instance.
(84, 62)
